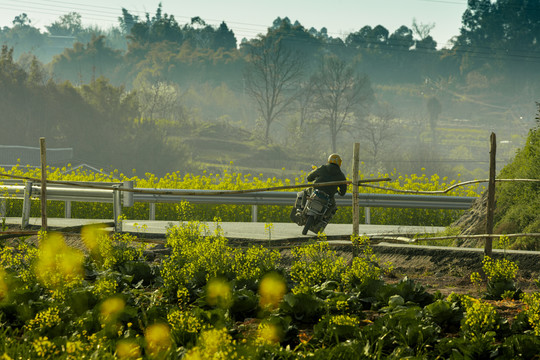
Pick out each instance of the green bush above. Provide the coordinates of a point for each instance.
(518, 203)
(197, 256)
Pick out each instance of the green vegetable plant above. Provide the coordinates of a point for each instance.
(532, 310)
(333, 329)
(210, 300)
(500, 275)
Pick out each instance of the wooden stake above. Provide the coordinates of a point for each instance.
(491, 196)
(43, 152)
(355, 206)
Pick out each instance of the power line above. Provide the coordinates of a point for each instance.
(109, 14)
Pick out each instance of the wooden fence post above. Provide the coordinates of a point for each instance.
(491, 196)
(43, 153)
(27, 203)
(355, 205)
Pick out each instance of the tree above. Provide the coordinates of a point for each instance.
(422, 30)
(23, 37)
(377, 131)
(401, 39)
(434, 109)
(68, 25)
(224, 38)
(426, 44)
(340, 95)
(127, 21)
(160, 100)
(499, 33)
(160, 27)
(272, 73)
(84, 63)
(22, 20)
(368, 37)
(305, 98)
(10, 72)
(12, 96)
(424, 41)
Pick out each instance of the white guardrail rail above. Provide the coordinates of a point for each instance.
(16, 189)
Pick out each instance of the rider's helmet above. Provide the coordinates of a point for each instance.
(334, 159)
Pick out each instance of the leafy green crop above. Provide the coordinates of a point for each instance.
(210, 300)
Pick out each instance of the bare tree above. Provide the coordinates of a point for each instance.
(272, 75)
(377, 131)
(422, 30)
(305, 99)
(341, 95)
(160, 101)
(434, 109)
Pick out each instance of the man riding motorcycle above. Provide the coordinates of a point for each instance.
(326, 173)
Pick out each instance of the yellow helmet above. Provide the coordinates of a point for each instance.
(334, 159)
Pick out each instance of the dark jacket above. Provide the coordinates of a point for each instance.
(327, 173)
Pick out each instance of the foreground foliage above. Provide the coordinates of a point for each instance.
(206, 299)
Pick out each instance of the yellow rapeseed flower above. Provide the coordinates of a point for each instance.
(158, 338)
(58, 264)
(73, 347)
(219, 293)
(271, 290)
(128, 349)
(268, 334)
(4, 291)
(90, 235)
(110, 309)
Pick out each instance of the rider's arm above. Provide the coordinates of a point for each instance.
(342, 189)
(313, 175)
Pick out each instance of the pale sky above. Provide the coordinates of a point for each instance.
(249, 18)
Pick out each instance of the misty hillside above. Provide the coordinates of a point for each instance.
(158, 96)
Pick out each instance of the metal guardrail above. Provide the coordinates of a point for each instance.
(18, 190)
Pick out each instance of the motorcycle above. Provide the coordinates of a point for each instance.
(313, 209)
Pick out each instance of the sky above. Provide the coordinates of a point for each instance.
(249, 18)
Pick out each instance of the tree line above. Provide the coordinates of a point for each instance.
(290, 75)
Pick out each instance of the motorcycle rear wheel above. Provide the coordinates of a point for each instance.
(309, 221)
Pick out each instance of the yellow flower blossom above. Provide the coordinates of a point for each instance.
(272, 288)
(158, 339)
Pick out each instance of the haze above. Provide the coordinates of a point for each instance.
(180, 93)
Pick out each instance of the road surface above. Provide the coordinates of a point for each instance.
(245, 230)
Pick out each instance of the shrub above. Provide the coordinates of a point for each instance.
(532, 310)
(500, 275)
(333, 329)
(198, 256)
(481, 319)
(519, 202)
(314, 264)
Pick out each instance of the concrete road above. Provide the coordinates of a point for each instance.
(275, 231)
(246, 230)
